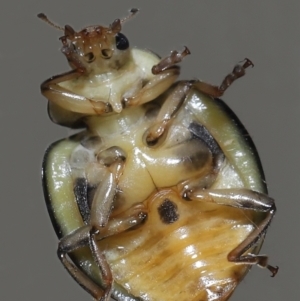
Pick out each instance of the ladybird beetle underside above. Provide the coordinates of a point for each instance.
(162, 195)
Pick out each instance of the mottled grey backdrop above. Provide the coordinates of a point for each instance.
(219, 34)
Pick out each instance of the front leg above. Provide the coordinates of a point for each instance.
(177, 96)
(69, 100)
(165, 73)
(247, 200)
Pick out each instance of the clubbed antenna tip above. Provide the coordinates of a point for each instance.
(132, 13)
(43, 17)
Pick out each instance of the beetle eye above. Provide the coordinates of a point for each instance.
(89, 57)
(122, 42)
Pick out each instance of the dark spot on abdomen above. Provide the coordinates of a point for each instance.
(168, 212)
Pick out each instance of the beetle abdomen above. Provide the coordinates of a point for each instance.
(174, 257)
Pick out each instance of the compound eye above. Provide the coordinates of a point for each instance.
(89, 57)
(122, 42)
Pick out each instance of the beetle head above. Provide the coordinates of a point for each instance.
(95, 49)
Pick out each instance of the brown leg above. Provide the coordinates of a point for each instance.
(178, 94)
(113, 159)
(170, 106)
(168, 62)
(88, 235)
(69, 100)
(154, 88)
(247, 200)
(217, 91)
(69, 243)
(165, 74)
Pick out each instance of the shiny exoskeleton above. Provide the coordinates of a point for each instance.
(162, 195)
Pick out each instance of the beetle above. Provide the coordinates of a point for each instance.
(162, 194)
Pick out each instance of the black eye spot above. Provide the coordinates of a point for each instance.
(122, 42)
(89, 57)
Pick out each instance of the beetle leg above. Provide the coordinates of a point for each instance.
(217, 91)
(69, 100)
(85, 236)
(88, 235)
(168, 62)
(109, 163)
(116, 226)
(247, 200)
(154, 87)
(70, 243)
(124, 221)
(166, 72)
(113, 158)
(108, 166)
(169, 108)
(206, 181)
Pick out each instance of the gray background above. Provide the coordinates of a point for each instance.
(219, 34)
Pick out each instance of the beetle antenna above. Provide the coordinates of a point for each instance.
(132, 13)
(45, 18)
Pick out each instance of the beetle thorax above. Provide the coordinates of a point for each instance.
(117, 124)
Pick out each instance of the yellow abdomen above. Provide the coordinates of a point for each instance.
(181, 250)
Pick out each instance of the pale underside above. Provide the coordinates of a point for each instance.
(185, 259)
(174, 254)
